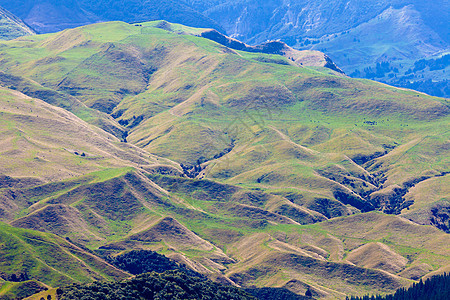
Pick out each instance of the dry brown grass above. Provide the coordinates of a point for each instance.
(377, 256)
(41, 141)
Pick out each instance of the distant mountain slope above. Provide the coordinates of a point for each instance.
(55, 15)
(12, 27)
(313, 18)
(356, 34)
(49, 16)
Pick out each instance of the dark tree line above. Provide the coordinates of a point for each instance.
(144, 261)
(434, 64)
(278, 294)
(168, 285)
(435, 288)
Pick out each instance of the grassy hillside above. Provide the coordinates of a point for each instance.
(46, 260)
(254, 169)
(387, 41)
(32, 89)
(14, 290)
(48, 143)
(431, 200)
(382, 40)
(254, 119)
(232, 234)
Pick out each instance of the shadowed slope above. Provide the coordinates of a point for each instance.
(431, 200)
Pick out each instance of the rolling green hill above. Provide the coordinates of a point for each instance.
(387, 40)
(48, 143)
(255, 169)
(273, 124)
(47, 260)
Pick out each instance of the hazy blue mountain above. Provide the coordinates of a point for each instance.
(12, 27)
(356, 34)
(252, 21)
(55, 15)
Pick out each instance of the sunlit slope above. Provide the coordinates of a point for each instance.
(47, 143)
(49, 258)
(32, 89)
(246, 118)
(224, 160)
(330, 241)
